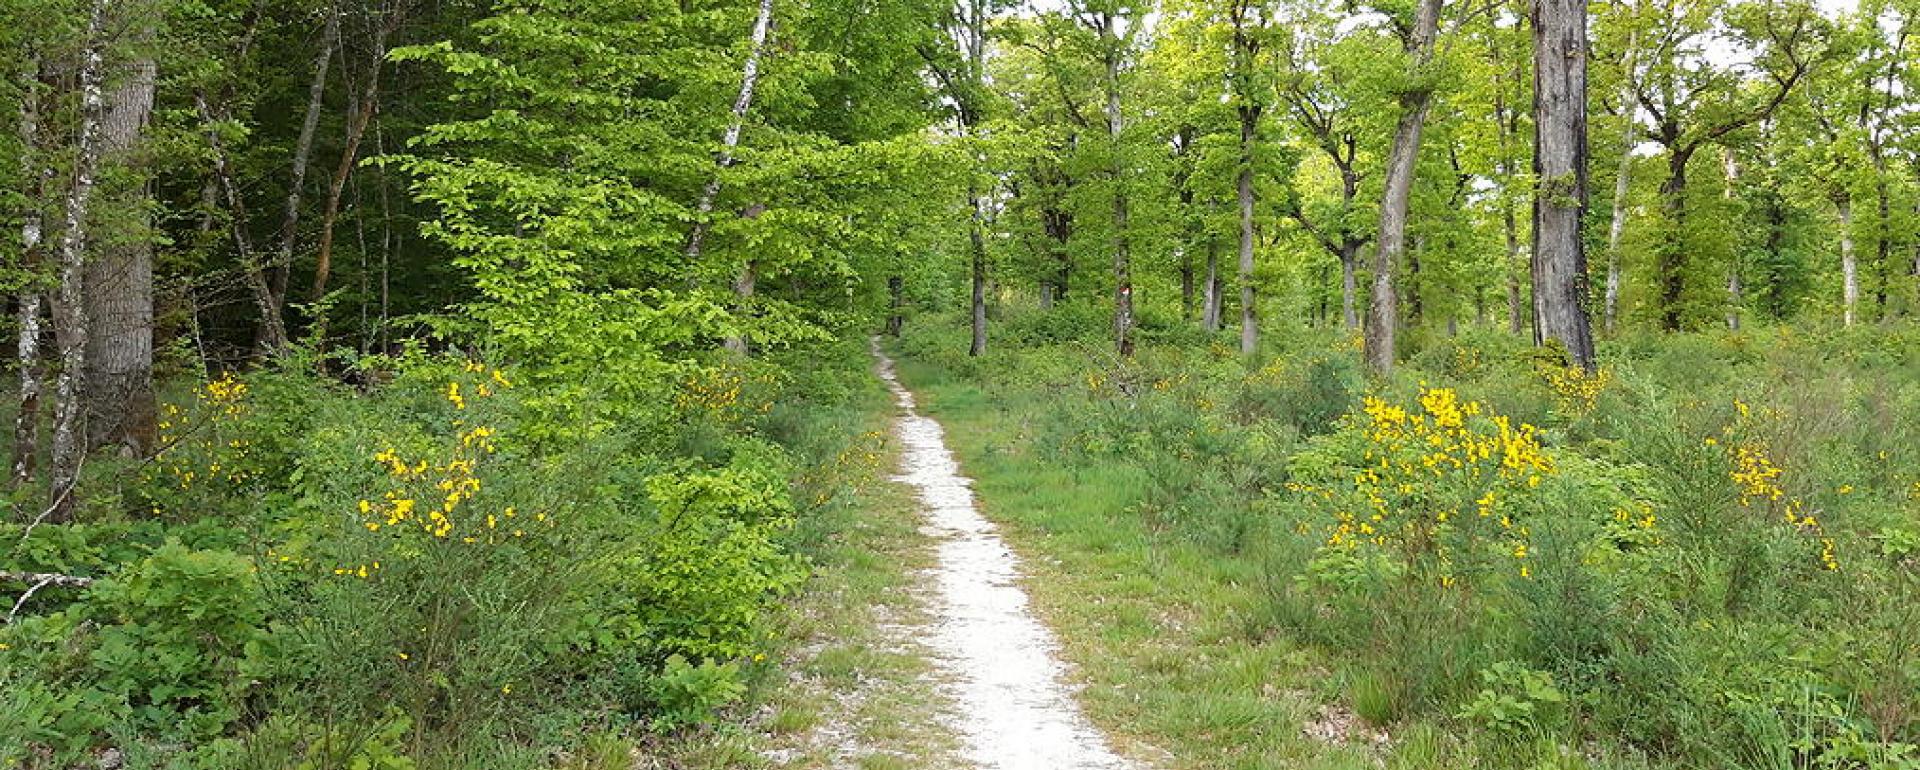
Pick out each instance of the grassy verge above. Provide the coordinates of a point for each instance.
(1166, 633)
(848, 687)
(1278, 563)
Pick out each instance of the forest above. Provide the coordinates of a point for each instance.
(560, 384)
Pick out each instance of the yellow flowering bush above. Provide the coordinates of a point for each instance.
(1441, 487)
(205, 450)
(1760, 482)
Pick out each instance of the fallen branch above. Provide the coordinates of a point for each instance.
(50, 578)
(39, 580)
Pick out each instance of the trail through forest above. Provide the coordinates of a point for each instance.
(1011, 706)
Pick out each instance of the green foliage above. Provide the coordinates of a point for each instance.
(1635, 588)
(1516, 700)
(686, 694)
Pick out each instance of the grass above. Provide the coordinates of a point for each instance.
(1166, 633)
(848, 685)
(1216, 624)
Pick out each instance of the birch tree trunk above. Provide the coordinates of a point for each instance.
(749, 77)
(1122, 245)
(1622, 185)
(1617, 227)
(119, 397)
(1383, 306)
(1560, 171)
(36, 174)
(69, 308)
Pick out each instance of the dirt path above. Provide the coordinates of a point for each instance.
(1011, 706)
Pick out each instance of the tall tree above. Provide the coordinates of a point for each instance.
(119, 397)
(1414, 98)
(1693, 102)
(69, 307)
(1313, 83)
(36, 178)
(1247, 17)
(961, 72)
(1626, 108)
(1560, 177)
(1114, 24)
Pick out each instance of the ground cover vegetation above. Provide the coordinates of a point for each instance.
(477, 384)
(1699, 557)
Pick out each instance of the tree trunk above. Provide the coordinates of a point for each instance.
(1059, 226)
(1622, 185)
(1560, 171)
(1736, 298)
(1883, 241)
(1122, 258)
(257, 281)
(69, 308)
(1211, 308)
(1515, 298)
(1383, 306)
(271, 337)
(743, 288)
(119, 397)
(749, 76)
(1672, 251)
(1616, 227)
(977, 252)
(1249, 315)
(1349, 285)
(1849, 271)
(36, 175)
(894, 319)
(357, 123)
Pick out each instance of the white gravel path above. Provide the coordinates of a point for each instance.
(1011, 705)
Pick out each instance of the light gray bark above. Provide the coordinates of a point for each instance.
(1383, 306)
(36, 174)
(1735, 293)
(1560, 173)
(1211, 301)
(69, 309)
(749, 78)
(119, 397)
(1245, 49)
(1122, 243)
(1622, 183)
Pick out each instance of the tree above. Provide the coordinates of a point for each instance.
(961, 72)
(1114, 24)
(1315, 70)
(1693, 102)
(1248, 19)
(1414, 96)
(1560, 174)
(69, 307)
